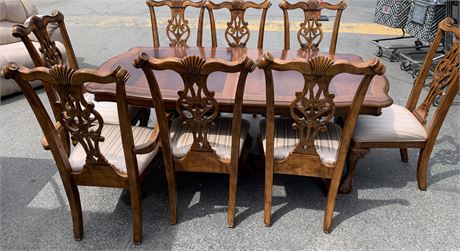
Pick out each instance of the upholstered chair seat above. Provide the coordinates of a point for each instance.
(418, 124)
(219, 137)
(395, 124)
(108, 110)
(286, 139)
(112, 149)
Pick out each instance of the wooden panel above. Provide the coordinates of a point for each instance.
(343, 86)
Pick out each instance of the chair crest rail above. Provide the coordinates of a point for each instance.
(237, 33)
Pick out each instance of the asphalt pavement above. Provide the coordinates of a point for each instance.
(385, 211)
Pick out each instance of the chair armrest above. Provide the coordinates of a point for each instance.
(151, 144)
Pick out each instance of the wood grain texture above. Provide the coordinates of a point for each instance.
(197, 107)
(310, 33)
(224, 84)
(38, 26)
(311, 108)
(84, 124)
(177, 29)
(237, 33)
(444, 84)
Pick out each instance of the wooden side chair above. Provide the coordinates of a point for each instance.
(199, 140)
(237, 32)
(410, 127)
(308, 143)
(105, 155)
(177, 29)
(48, 53)
(310, 32)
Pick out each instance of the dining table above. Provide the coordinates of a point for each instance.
(343, 86)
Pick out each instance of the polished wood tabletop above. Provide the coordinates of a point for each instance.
(224, 84)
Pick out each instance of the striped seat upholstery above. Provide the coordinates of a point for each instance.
(286, 139)
(219, 137)
(108, 110)
(395, 124)
(112, 149)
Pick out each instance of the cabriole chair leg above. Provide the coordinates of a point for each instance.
(354, 155)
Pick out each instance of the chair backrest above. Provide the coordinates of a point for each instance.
(77, 116)
(51, 54)
(196, 104)
(237, 32)
(313, 106)
(38, 26)
(310, 33)
(177, 29)
(445, 82)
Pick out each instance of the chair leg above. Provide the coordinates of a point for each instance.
(268, 192)
(232, 194)
(404, 154)
(136, 207)
(172, 192)
(144, 115)
(75, 209)
(330, 204)
(422, 168)
(354, 155)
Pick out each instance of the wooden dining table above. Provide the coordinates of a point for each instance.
(224, 84)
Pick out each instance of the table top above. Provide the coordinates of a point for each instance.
(224, 84)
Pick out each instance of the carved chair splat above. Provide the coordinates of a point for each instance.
(177, 29)
(93, 161)
(310, 33)
(52, 55)
(237, 33)
(198, 110)
(414, 129)
(308, 143)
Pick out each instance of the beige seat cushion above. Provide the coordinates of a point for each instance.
(17, 52)
(286, 139)
(395, 124)
(219, 137)
(108, 110)
(15, 11)
(6, 36)
(112, 149)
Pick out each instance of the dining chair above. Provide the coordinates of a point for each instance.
(310, 32)
(105, 155)
(411, 126)
(45, 51)
(308, 143)
(177, 28)
(199, 140)
(237, 32)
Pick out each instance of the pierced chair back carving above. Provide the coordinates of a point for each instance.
(198, 111)
(51, 53)
(445, 82)
(38, 26)
(310, 33)
(424, 129)
(237, 33)
(98, 165)
(77, 116)
(177, 28)
(311, 110)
